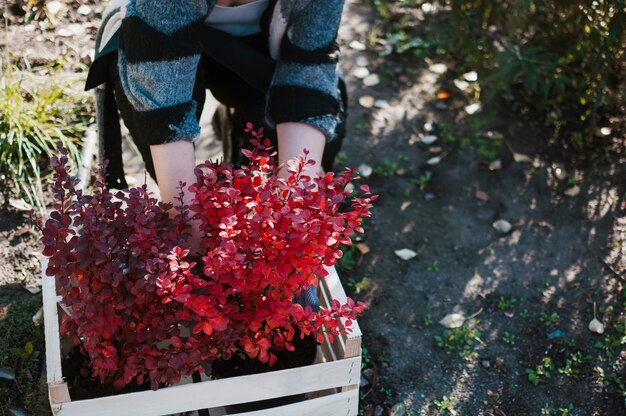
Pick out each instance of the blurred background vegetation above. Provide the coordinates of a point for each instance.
(556, 64)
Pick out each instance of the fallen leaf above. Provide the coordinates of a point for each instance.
(365, 170)
(430, 139)
(23, 230)
(405, 254)
(4, 311)
(502, 226)
(472, 108)
(438, 68)
(433, 160)
(363, 248)
(371, 80)
(357, 46)
(521, 158)
(481, 195)
(452, 320)
(471, 76)
(361, 72)
(442, 95)
(367, 101)
(573, 191)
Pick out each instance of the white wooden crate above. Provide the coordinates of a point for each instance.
(333, 381)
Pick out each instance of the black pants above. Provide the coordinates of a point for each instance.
(245, 103)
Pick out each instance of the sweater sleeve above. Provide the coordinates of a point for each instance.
(158, 60)
(304, 87)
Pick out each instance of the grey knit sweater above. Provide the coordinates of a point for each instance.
(159, 54)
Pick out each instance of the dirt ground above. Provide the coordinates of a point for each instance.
(528, 292)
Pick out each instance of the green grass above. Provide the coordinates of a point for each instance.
(35, 113)
(21, 349)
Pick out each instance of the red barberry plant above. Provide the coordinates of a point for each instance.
(143, 308)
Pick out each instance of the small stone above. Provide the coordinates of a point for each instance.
(605, 131)
(361, 72)
(472, 108)
(573, 191)
(471, 76)
(427, 7)
(438, 68)
(357, 46)
(367, 101)
(54, 7)
(365, 170)
(462, 85)
(381, 104)
(398, 409)
(84, 10)
(430, 139)
(429, 126)
(379, 410)
(502, 226)
(371, 80)
(361, 61)
(485, 363)
(429, 196)
(364, 382)
(452, 320)
(433, 160)
(495, 165)
(405, 254)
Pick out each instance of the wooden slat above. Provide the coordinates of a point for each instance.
(51, 326)
(340, 404)
(221, 392)
(332, 289)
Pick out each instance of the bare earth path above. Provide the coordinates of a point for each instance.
(528, 293)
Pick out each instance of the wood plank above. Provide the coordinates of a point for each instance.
(224, 392)
(51, 326)
(340, 404)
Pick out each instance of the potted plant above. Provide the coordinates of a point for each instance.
(132, 289)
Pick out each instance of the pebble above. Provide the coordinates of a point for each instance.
(367, 101)
(361, 61)
(357, 46)
(84, 10)
(472, 108)
(471, 76)
(429, 139)
(364, 382)
(381, 104)
(379, 410)
(502, 226)
(371, 80)
(54, 7)
(361, 72)
(485, 363)
(438, 68)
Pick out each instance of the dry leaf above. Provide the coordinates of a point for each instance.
(452, 320)
(363, 248)
(4, 311)
(367, 101)
(481, 195)
(521, 158)
(371, 80)
(573, 191)
(433, 160)
(502, 226)
(24, 230)
(405, 254)
(430, 139)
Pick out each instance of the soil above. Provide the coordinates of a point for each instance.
(562, 254)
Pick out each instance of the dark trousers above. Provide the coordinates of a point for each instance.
(245, 104)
